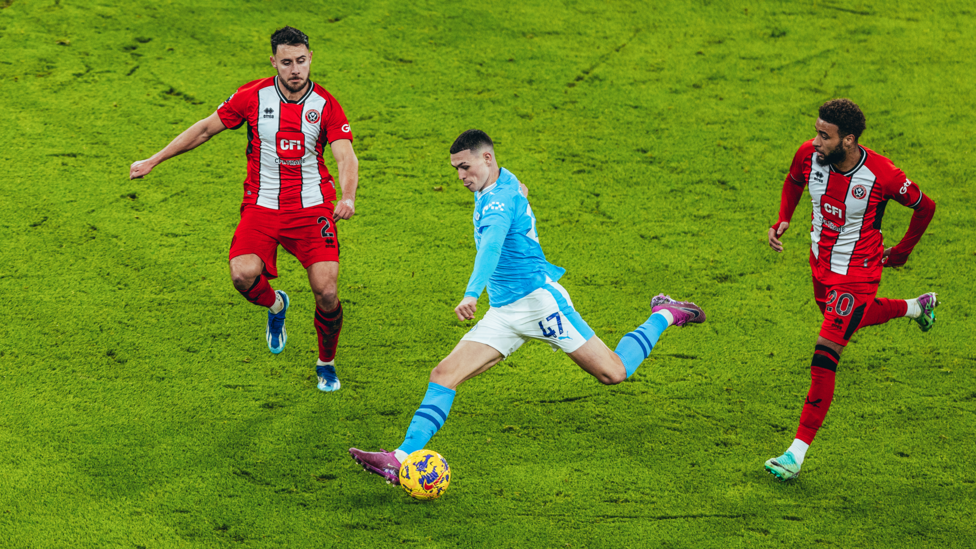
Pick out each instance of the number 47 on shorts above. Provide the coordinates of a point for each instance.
(548, 331)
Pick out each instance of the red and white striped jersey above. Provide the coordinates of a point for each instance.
(285, 140)
(847, 211)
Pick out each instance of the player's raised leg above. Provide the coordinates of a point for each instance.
(247, 274)
(323, 277)
(636, 346)
(611, 367)
(920, 309)
(468, 359)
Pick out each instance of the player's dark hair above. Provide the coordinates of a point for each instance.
(845, 115)
(287, 36)
(472, 140)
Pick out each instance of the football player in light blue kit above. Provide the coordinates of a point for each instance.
(526, 301)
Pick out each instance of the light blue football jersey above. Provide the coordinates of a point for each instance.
(522, 267)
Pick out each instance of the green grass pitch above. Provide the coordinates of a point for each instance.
(140, 408)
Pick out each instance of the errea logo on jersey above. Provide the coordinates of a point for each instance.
(290, 144)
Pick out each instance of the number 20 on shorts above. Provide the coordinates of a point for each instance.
(843, 304)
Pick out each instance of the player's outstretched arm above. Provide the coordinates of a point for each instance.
(348, 166)
(193, 137)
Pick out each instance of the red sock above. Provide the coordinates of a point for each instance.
(822, 373)
(261, 293)
(882, 310)
(328, 325)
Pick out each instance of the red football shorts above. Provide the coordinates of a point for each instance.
(309, 234)
(843, 307)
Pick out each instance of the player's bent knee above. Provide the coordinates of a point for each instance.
(611, 377)
(243, 281)
(836, 347)
(328, 300)
(442, 374)
(243, 273)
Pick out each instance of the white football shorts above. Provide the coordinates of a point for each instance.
(547, 314)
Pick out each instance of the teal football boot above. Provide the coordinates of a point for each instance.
(783, 467)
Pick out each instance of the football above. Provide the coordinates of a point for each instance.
(425, 475)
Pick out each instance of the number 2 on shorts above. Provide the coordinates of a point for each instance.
(326, 233)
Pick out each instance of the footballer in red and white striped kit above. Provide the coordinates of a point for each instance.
(288, 191)
(850, 186)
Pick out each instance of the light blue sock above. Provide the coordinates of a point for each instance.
(428, 419)
(636, 346)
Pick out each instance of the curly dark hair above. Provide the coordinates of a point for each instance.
(845, 115)
(473, 140)
(287, 36)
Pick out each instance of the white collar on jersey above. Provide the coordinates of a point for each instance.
(864, 157)
(487, 189)
(503, 175)
(311, 86)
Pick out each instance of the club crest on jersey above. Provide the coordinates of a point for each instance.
(312, 116)
(859, 192)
